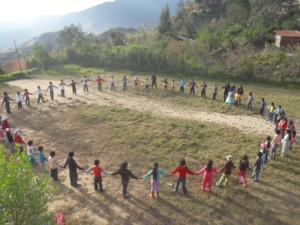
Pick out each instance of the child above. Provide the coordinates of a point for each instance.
(275, 143)
(73, 85)
(72, 169)
(268, 145)
(99, 82)
(257, 167)
(19, 140)
(181, 85)
(215, 92)
(125, 175)
(124, 82)
(286, 143)
(153, 80)
(6, 100)
(181, 170)
(42, 158)
(40, 94)
(26, 96)
(5, 123)
(85, 81)
(30, 152)
(62, 88)
(165, 84)
(271, 113)
(237, 99)
(192, 85)
(53, 164)
(51, 89)
(203, 89)
(10, 140)
(226, 172)
(249, 102)
(208, 171)
(19, 98)
(282, 125)
(262, 106)
(136, 82)
(146, 83)
(97, 175)
(229, 98)
(173, 85)
(155, 179)
(263, 154)
(112, 83)
(243, 166)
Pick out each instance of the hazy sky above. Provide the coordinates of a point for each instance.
(17, 10)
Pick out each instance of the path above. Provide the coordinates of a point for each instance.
(247, 124)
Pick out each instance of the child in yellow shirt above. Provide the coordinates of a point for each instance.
(237, 99)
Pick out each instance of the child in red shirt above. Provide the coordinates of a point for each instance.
(182, 169)
(208, 171)
(97, 175)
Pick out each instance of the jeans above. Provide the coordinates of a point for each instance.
(153, 84)
(27, 101)
(178, 181)
(214, 96)
(182, 89)
(255, 174)
(203, 93)
(271, 116)
(7, 107)
(98, 183)
(112, 86)
(125, 185)
(124, 87)
(192, 91)
(62, 93)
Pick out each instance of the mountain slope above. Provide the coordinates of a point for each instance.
(120, 13)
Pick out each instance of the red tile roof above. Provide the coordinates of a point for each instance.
(287, 33)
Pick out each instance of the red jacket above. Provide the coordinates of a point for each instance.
(19, 140)
(182, 170)
(5, 125)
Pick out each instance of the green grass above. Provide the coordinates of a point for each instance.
(142, 139)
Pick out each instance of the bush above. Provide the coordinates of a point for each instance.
(2, 71)
(23, 195)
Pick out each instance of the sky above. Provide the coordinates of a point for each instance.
(18, 10)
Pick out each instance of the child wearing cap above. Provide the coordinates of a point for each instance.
(97, 175)
(19, 140)
(226, 171)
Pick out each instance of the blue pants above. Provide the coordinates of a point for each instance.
(183, 181)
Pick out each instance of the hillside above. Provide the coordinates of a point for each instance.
(120, 13)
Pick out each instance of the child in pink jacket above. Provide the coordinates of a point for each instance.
(208, 171)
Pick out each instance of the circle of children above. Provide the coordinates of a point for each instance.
(285, 134)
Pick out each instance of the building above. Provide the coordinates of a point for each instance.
(285, 38)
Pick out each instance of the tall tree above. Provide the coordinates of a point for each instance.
(165, 25)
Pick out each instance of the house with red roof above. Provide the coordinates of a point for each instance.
(284, 38)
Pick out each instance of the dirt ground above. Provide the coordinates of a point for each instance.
(247, 124)
(51, 126)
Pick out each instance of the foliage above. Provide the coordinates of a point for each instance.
(165, 25)
(2, 71)
(23, 196)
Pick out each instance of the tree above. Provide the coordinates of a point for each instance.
(41, 55)
(165, 25)
(23, 195)
(68, 35)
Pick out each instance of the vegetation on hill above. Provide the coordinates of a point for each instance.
(212, 38)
